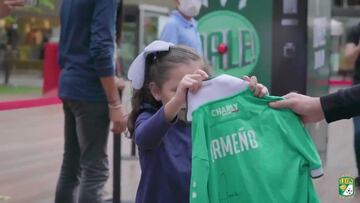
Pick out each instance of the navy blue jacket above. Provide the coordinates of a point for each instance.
(87, 46)
(165, 158)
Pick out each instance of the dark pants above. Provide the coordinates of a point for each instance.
(357, 141)
(84, 170)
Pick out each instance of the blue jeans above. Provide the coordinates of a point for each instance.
(357, 141)
(84, 169)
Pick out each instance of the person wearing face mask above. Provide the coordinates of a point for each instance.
(181, 29)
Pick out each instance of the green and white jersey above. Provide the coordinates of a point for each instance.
(245, 151)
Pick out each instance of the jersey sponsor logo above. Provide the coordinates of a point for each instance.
(225, 110)
(346, 186)
(232, 144)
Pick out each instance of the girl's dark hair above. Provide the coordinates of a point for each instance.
(157, 66)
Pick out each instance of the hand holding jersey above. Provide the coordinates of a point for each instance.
(191, 82)
(245, 151)
(258, 89)
(162, 140)
(309, 108)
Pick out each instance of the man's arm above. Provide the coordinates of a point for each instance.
(102, 50)
(116, 110)
(343, 104)
(340, 105)
(308, 108)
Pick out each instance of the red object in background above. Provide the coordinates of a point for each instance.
(222, 48)
(342, 82)
(28, 103)
(51, 68)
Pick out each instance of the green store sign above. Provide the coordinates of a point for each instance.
(237, 37)
(230, 42)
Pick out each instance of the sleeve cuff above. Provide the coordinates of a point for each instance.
(104, 67)
(104, 72)
(317, 173)
(174, 119)
(162, 116)
(329, 106)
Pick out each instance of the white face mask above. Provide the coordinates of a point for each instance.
(190, 8)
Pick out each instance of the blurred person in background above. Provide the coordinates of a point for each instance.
(181, 28)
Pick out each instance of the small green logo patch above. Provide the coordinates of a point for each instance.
(346, 186)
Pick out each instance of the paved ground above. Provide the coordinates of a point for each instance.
(31, 150)
(27, 78)
(340, 162)
(24, 78)
(30, 156)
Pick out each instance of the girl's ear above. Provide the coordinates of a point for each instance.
(155, 91)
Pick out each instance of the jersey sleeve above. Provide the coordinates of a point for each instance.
(299, 137)
(200, 163)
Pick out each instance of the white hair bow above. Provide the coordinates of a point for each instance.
(136, 72)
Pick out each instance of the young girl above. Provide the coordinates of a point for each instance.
(156, 122)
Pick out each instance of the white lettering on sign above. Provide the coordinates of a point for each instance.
(320, 31)
(242, 3)
(319, 60)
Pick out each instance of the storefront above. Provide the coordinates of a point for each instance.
(284, 43)
(142, 24)
(31, 28)
(28, 30)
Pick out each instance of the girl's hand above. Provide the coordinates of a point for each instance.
(192, 82)
(258, 89)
